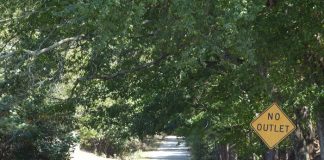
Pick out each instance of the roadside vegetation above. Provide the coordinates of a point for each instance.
(118, 71)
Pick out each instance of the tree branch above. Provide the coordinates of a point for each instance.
(125, 72)
(44, 50)
(6, 55)
(57, 44)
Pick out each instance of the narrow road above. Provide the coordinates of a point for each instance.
(78, 154)
(171, 148)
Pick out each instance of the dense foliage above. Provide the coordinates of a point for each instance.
(114, 70)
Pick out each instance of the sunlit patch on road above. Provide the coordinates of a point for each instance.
(171, 148)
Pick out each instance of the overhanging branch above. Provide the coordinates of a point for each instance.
(125, 72)
(116, 74)
(44, 50)
(6, 55)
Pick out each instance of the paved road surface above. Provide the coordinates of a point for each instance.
(83, 155)
(170, 149)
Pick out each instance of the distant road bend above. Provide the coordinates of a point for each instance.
(171, 148)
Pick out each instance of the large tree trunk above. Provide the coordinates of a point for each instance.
(299, 139)
(300, 149)
(320, 129)
(304, 137)
(271, 155)
(225, 152)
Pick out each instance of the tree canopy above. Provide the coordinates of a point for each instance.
(131, 68)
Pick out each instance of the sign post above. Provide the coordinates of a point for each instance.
(273, 126)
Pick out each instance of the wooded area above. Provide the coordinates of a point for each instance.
(117, 71)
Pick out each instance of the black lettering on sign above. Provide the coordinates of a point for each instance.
(270, 116)
(287, 128)
(277, 116)
(266, 127)
(281, 128)
(259, 127)
(272, 128)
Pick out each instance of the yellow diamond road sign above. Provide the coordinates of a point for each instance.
(273, 125)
